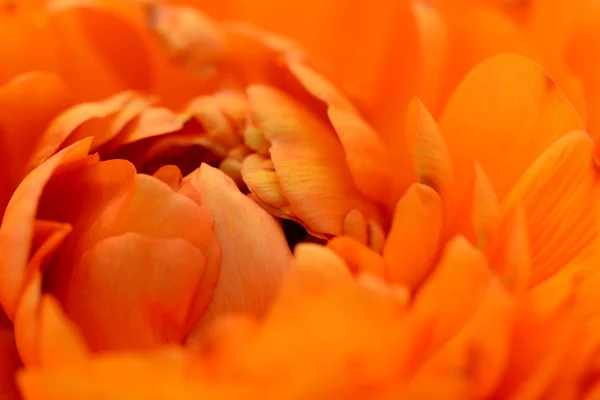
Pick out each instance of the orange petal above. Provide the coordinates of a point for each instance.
(141, 299)
(583, 59)
(477, 32)
(508, 251)
(59, 340)
(27, 105)
(430, 155)
(16, 232)
(20, 32)
(169, 174)
(117, 61)
(559, 194)
(524, 113)
(434, 42)
(366, 155)
(357, 256)
(81, 121)
(486, 208)
(472, 362)
(309, 161)
(10, 360)
(359, 59)
(412, 243)
(255, 253)
(462, 275)
(541, 341)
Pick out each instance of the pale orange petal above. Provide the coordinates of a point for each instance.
(255, 254)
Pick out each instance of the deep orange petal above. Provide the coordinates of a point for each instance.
(523, 114)
(559, 194)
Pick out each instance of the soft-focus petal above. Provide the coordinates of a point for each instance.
(522, 114)
(27, 104)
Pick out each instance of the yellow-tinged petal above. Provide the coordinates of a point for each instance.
(430, 155)
(366, 155)
(309, 162)
(412, 243)
(505, 109)
(560, 194)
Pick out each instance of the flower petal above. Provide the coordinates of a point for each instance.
(309, 161)
(255, 253)
(141, 298)
(560, 195)
(27, 104)
(117, 60)
(412, 243)
(462, 275)
(366, 155)
(523, 114)
(16, 232)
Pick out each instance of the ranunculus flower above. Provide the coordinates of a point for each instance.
(437, 154)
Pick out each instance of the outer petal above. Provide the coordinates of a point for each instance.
(117, 60)
(584, 60)
(123, 299)
(27, 105)
(524, 112)
(560, 194)
(20, 32)
(255, 254)
(381, 81)
(16, 232)
(309, 161)
(477, 32)
(433, 40)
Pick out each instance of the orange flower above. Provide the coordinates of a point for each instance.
(370, 340)
(456, 188)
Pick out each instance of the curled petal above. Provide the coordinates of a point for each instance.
(366, 155)
(16, 232)
(309, 162)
